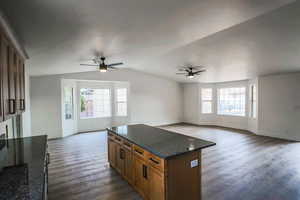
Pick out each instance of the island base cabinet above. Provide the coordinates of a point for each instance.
(112, 152)
(153, 177)
(128, 166)
(119, 159)
(156, 185)
(140, 177)
(184, 179)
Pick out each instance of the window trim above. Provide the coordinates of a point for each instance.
(116, 102)
(211, 100)
(251, 113)
(230, 114)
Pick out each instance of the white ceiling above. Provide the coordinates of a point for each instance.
(233, 39)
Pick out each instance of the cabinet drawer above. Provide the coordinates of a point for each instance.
(118, 139)
(155, 161)
(127, 145)
(110, 135)
(139, 151)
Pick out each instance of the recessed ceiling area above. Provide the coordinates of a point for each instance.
(234, 40)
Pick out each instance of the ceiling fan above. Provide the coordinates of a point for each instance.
(191, 71)
(100, 62)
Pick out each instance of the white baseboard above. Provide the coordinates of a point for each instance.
(278, 135)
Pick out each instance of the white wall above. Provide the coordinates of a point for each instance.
(45, 102)
(153, 100)
(279, 108)
(191, 110)
(26, 118)
(192, 106)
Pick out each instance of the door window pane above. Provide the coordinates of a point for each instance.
(68, 102)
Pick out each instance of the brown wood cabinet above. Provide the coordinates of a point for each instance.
(12, 79)
(153, 177)
(156, 184)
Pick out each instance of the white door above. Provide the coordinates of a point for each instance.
(69, 119)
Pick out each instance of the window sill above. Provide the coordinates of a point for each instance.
(231, 115)
(83, 118)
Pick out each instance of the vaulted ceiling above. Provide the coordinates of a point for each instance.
(233, 39)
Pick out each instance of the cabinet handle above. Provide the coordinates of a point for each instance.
(22, 104)
(48, 158)
(122, 154)
(139, 152)
(126, 144)
(155, 161)
(145, 175)
(12, 106)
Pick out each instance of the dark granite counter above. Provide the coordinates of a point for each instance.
(164, 144)
(22, 164)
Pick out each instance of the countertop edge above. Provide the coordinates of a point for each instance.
(155, 153)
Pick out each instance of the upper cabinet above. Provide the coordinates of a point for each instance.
(12, 80)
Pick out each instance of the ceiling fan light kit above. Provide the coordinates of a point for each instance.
(99, 62)
(189, 71)
(190, 76)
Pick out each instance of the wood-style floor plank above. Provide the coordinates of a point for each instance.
(242, 166)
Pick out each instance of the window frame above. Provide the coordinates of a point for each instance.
(253, 93)
(210, 101)
(110, 102)
(117, 102)
(231, 114)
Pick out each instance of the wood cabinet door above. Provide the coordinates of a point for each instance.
(112, 152)
(119, 158)
(128, 166)
(141, 177)
(156, 185)
(22, 84)
(2, 64)
(17, 80)
(9, 100)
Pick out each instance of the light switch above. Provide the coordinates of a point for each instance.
(194, 163)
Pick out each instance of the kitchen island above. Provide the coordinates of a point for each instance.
(159, 164)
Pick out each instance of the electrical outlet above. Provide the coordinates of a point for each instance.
(194, 163)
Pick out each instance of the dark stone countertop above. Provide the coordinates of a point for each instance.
(22, 164)
(165, 144)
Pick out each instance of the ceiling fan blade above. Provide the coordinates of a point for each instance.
(115, 64)
(89, 65)
(198, 67)
(111, 68)
(197, 72)
(181, 73)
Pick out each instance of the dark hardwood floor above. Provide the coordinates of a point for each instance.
(241, 166)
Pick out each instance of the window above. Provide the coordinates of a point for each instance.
(253, 101)
(68, 101)
(121, 102)
(231, 101)
(206, 100)
(94, 103)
